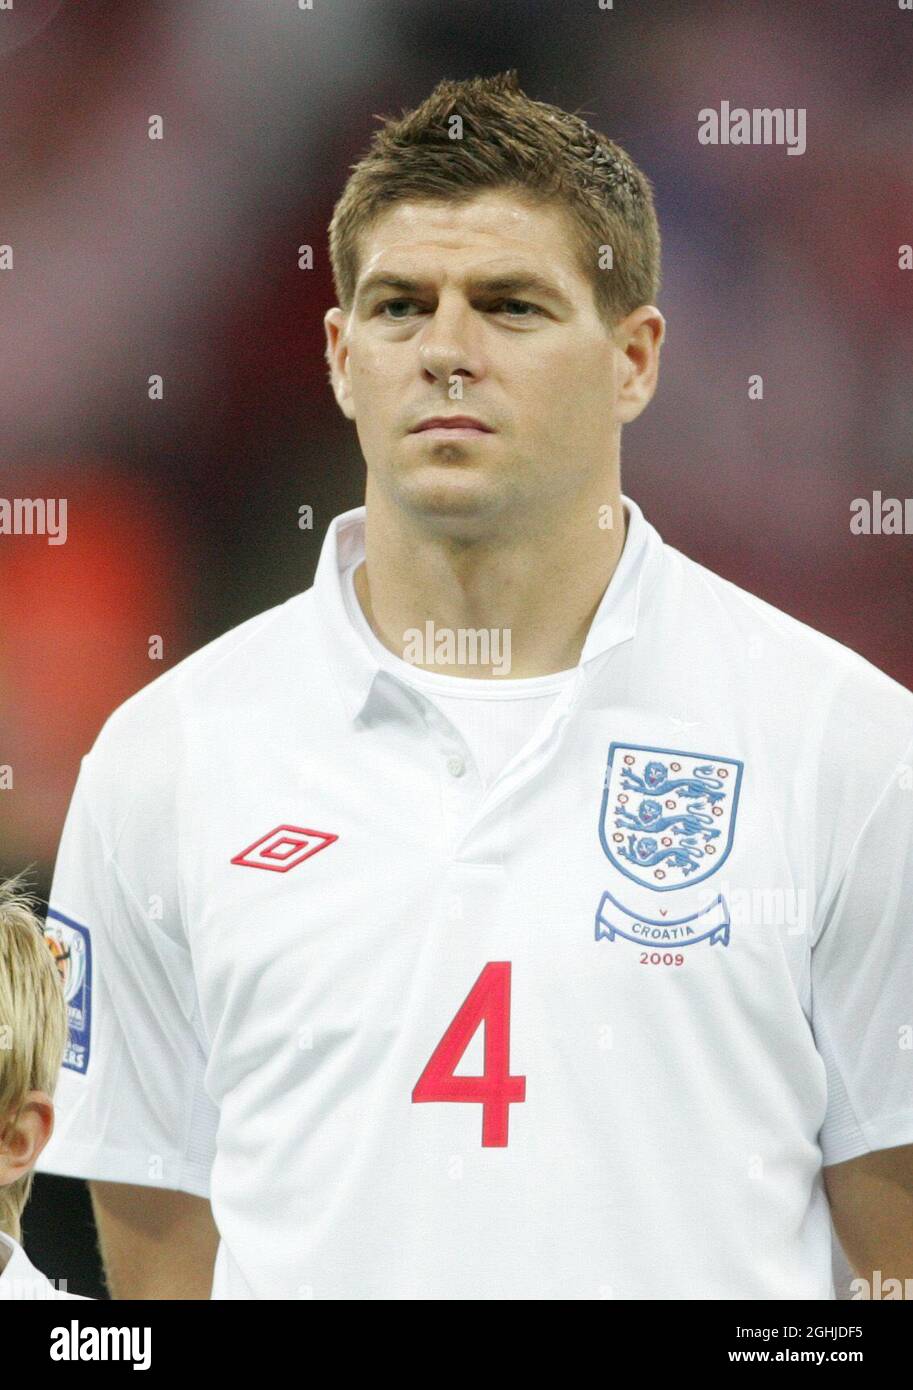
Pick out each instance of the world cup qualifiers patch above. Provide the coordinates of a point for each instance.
(668, 817)
(71, 947)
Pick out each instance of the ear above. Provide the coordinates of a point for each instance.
(638, 339)
(24, 1140)
(337, 356)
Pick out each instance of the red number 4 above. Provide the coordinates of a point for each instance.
(488, 1001)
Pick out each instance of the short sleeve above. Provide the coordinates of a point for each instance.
(862, 982)
(131, 1104)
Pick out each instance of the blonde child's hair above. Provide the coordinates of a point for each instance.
(33, 1025)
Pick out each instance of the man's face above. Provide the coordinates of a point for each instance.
(480, 309)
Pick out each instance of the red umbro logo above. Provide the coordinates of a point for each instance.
(281, 849)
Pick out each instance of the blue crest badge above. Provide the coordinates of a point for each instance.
(668, 817)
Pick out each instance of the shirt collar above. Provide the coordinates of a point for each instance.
(357, 670)
(20, 1278)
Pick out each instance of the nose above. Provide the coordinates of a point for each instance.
(448, 343)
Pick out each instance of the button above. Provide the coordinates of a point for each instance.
(455, 765)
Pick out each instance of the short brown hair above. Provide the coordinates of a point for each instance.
(530, 148)
(33, 1025)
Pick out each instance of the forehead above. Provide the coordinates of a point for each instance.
(451, 238)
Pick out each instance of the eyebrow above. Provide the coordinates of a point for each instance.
(510, 283)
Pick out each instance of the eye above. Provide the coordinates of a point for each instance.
(521, 304)
(391, 303)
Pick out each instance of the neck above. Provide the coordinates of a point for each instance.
(533, 587)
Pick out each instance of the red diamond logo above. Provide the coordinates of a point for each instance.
(281, 849)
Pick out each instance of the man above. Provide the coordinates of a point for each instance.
(523, 910)
(33, 1034)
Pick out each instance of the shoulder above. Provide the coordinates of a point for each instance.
(134, 766)
(802, 672)
(227, 667)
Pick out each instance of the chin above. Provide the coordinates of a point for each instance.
(461, 500)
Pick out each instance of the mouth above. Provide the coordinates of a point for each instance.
(453, 426)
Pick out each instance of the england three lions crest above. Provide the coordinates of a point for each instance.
(668, 817)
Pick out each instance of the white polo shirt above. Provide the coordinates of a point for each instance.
(19, 1279)
(682, 909)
